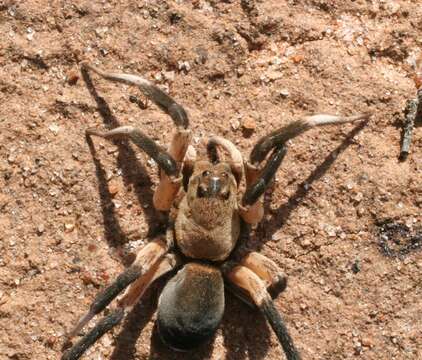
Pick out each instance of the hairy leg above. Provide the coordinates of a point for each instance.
(170, 162)
(273, 145)
(145, 259)
(269, 272)
(254, 288)
(164, 160)
(153, 92)
(125, 305)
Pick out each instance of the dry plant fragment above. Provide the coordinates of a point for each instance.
(413, 110)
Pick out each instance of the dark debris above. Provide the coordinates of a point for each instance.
(397, 240)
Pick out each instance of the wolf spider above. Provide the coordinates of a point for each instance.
(206, 216)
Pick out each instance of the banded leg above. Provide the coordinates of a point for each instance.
(164, 160)
(145, 260)
(129, 299)
(257, 181)
(153, 92)
(274, 278)
(169, 162)
(275, 143)
(254, 288)
(169, 186)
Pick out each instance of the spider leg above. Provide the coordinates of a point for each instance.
(145, 259)
(168, 161)
(169, 186)
(164, 160)
(254, 288)
(153, 92)
(269, 272)
(125, 305)
(259, 176)
(257, 181)
(134, 293)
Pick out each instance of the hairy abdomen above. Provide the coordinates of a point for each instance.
(191, 306)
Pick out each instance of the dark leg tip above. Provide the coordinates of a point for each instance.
(278, 286)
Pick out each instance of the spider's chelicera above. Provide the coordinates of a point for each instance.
(206, 216)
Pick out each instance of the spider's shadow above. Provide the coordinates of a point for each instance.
(133, 172)
(279, 217)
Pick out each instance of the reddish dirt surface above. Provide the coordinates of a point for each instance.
(66, 217)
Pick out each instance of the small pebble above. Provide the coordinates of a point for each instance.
(249, 124)
(358, 197)
(72, 77)
(356, 266)
(11, 158)
(298, 58)
(30, 33)
(113, 188)
(158, 77)
(69, 227)
(101, 31)
(169, 75)
(235, 124)
(40, 229)
(54, 128)
(306, 243)
(183, 66)
(284, 93)
(367, 342)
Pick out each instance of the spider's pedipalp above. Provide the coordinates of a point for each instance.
(257, 181)
(236, 158)
(251, 285)
(125, 305)
(188, 165)
(168, 187)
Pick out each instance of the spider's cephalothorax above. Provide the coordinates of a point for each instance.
(207, 224)
(204, 231)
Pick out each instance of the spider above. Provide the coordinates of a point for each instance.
(206, 211)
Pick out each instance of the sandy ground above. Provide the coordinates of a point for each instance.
(68, 217)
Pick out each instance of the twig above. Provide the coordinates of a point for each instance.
(413, 111)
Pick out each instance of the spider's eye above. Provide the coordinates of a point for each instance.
(224, 175)
(205, 173)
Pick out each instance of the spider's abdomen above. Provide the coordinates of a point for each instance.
(191, 306)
